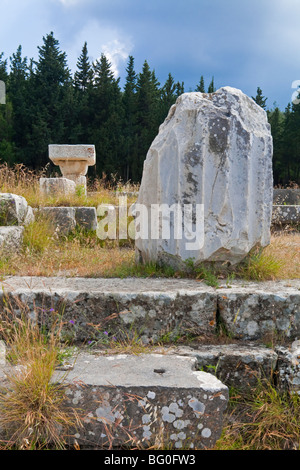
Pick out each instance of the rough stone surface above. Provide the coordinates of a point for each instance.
(65, 219)
(216, 150)
(261, 314)
(14, 210)
(236, 365)
(290, 197)
(289, 367)
(146, 400)
(158, 307)
(86, 217)
(55, 186)
(283, 215)
(11, 239)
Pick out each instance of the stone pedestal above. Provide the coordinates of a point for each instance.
(73, 161)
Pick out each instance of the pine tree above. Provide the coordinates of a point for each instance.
(260, 99)
(107, 112)
(7, 147)
(51, 100)
(18, 95)
(290, 169)
(84, 73)
(179, 89)
(148, 118)
(276, 120)
(3, 68)
(211, 87)
(168, 97)
(83, 83)
(201, 86)
(129, 126)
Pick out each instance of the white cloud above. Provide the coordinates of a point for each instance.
(116, 53)
(100, 38)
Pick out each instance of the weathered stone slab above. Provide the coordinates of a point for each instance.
(11, 239)
(286, 197)
(149, 315)
(236, 365)
(56, 186)
(67, 218)
(262, 313)
(152, 308)
(289, 367)
(145, 400)
(14, 210)
(86, 217)
(63, 218)
(215, 151)
(283, 215)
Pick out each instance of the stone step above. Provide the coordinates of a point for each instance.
(172, 397)
(156, 308)
(140, 401)
(146, 400)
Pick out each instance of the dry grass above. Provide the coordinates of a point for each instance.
(279, 260)
(25, 182)
(284, 248)
(77, 255)
(86, 256)
(32, 411)
(262, 419)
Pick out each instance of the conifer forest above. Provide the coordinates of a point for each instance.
(46, 103)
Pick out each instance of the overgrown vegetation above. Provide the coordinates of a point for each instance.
(82, 253)
(262, 419)
(32, 411)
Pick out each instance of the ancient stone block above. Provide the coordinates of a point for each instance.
(290, 197)
(63, 218)
(236, 365)
(11, 239)
(14, 210)
(213, 153)
(86, 217)
(286, 215)
(145, 400)
(262, 313)
(56, 186)
(289, 367)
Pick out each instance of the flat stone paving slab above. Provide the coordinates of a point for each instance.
(145, 400)
(154, 307)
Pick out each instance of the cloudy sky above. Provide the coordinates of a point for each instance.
(242, 43)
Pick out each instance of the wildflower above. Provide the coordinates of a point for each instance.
(106, 333)
(72, 322)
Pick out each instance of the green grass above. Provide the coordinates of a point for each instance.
(262, 419)
(261, 266)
